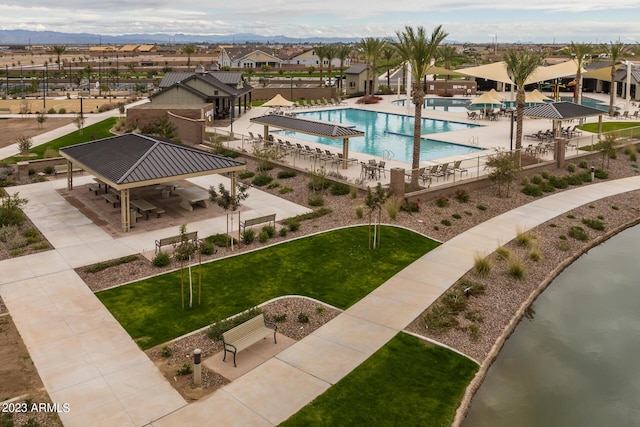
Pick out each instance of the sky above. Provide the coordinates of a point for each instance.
(475, 21)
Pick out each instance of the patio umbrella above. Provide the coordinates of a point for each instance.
(278, 101)
(535, 97)
(496, 95)
(485, 101)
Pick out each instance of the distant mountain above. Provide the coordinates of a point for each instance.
(26, 37)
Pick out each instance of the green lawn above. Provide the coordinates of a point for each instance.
(608, 126)
(406, 383)
(96, 131)
(335, 267)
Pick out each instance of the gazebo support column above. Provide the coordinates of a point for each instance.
(345, 153)
(266, 132)
(69, 175)
(234, 183)
(125, 211)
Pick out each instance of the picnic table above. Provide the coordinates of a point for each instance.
(192, 196)
(143, 206)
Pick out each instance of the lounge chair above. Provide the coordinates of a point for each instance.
(457, 167)
(635, 115)
(350, 160)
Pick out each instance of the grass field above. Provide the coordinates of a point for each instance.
(406, 383)
(335, 267)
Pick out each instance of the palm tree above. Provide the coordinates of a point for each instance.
(321, 53)
(615, 51)
(342, 53)
(188, 50)
(389, 52)
(582, 53)
(446, 56)
(59, 50)
(330, 52)
(418, 50)
(520, 65)
(371, 48)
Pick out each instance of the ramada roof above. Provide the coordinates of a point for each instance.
(310, 127)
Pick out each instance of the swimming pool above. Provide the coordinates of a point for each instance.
(387, 134)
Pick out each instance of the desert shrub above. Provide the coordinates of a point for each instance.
(207, 247)
(471, 289)
(593, 224)
(553, 225)
(575, 179)
(263, 237)
(316, 200)
(503, 253)
(474, 316)
(280, 318)
(456, 216)
(359, 212)
(285, 190)
(442, 202)
(11, 210)
(615, 208)
(220, 239)
(340, 189)
(571, 216)
(563, 246)
(185, 370)
(354, 192)
(51, 110)
(50, 153)
(583, 164)
(524, 239)
(293, 225)
(273, 185)
(600, 174)
(392, 206)
(286, 174)
(571, 167)
(546, 174)
(481, 207)
(303, 318)
(468, 213)
(216, 330)
(515, 269)
(161, 259)
(456, 302)
(95, 268)
(261, 180)
(546, 187)
(246, 175)
(535, 254)
(270, 230)
(532, 190)
(525, 181)
(537, 179)
(474, 331)
(248, 236)
(62, 111)
(462, 196)
(440, 319)
(446, 223)
(578, 233)
(410, 205)
(165, 352)
(559, 182)
(482, 265)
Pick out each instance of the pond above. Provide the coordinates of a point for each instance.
(575, 362)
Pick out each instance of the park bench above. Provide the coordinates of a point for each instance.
(58, 169)
(258, 220)
(174, 240)
(111, 198)
(247, 334)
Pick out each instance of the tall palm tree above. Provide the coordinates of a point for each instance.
(342, 53)
(582, 53)
(520, 65)
(321, 53)
(330, 53)
(418, 50)
(389, 52)
(371, 49)
(59, 50)
(616, 52)
(188, 50)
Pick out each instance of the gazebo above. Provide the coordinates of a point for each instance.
(310, 127)
(132, 161)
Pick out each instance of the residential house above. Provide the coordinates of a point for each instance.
(356, 79)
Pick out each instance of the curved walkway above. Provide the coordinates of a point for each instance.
(87, 360)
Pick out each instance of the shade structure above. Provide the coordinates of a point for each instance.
(603, 73)
(278, 101)
(564, 69)
(485, 101)
(494, 93)
(559, 111)
(535, 97)
(496, 71)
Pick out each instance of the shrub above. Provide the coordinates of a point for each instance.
(583, 164)
(560, 182)
(285, 190)
(280, 318)
(578, 233)
(340, 189)
(553, 225)
(600, 174)
(615, 208)
(95, 268)
(207, 247)
(320, 309)
(516, 269)
(439, 319)
(283, 232)
(392, 206)
(482, 265)
(50, 153)
(481, 207)
(503, 253)
(248, 236)
(562, 237)
(546, 174)
(532, 190)
(261, 180)
(525, 181)
(316, 200)
(633, 157)
(161, 259)
(263, 236)
(471, 289)
(456, 302)
(468, 213)
(456, 216)
(571, 216)
(546, 187)
(51, 110)
(62, 111)
(359, 212)
(273, 185)
(220, 240)
(523, 239)
(246, 175)
(270, 230)
(571, 167)
(293, 225)
(11, 210)
(286, 174)
(410, 206)
(462, 196)
(576, 179)
(474, 331)
(303, 318)
(165, 352)
(185, 370)
(563, 246)
(354, 192)
(216, 330)
(49, 170)
(442, 202)
(474, 316)
(446, 222)
(535, 255)
(593, 224)
(537, 179)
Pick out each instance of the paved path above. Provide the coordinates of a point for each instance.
(87, 360)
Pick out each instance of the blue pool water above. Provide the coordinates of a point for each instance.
(460, 105)
(387, 133)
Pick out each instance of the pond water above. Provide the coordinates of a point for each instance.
(576, 362)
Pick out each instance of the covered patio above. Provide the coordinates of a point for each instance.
(128, 162)
(310, 127)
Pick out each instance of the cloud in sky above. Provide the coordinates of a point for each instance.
(464, 20)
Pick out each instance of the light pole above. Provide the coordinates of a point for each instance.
(511, 111)
(628, 85)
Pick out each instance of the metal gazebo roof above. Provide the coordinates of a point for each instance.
(310, 127)
(562, 111)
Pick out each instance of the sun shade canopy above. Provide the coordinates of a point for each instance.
(562, 111)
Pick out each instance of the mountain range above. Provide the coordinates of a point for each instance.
(27, 37)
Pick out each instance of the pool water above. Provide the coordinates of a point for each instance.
(387, 135)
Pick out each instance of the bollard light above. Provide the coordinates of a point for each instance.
(593, 173)
(197, 367)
